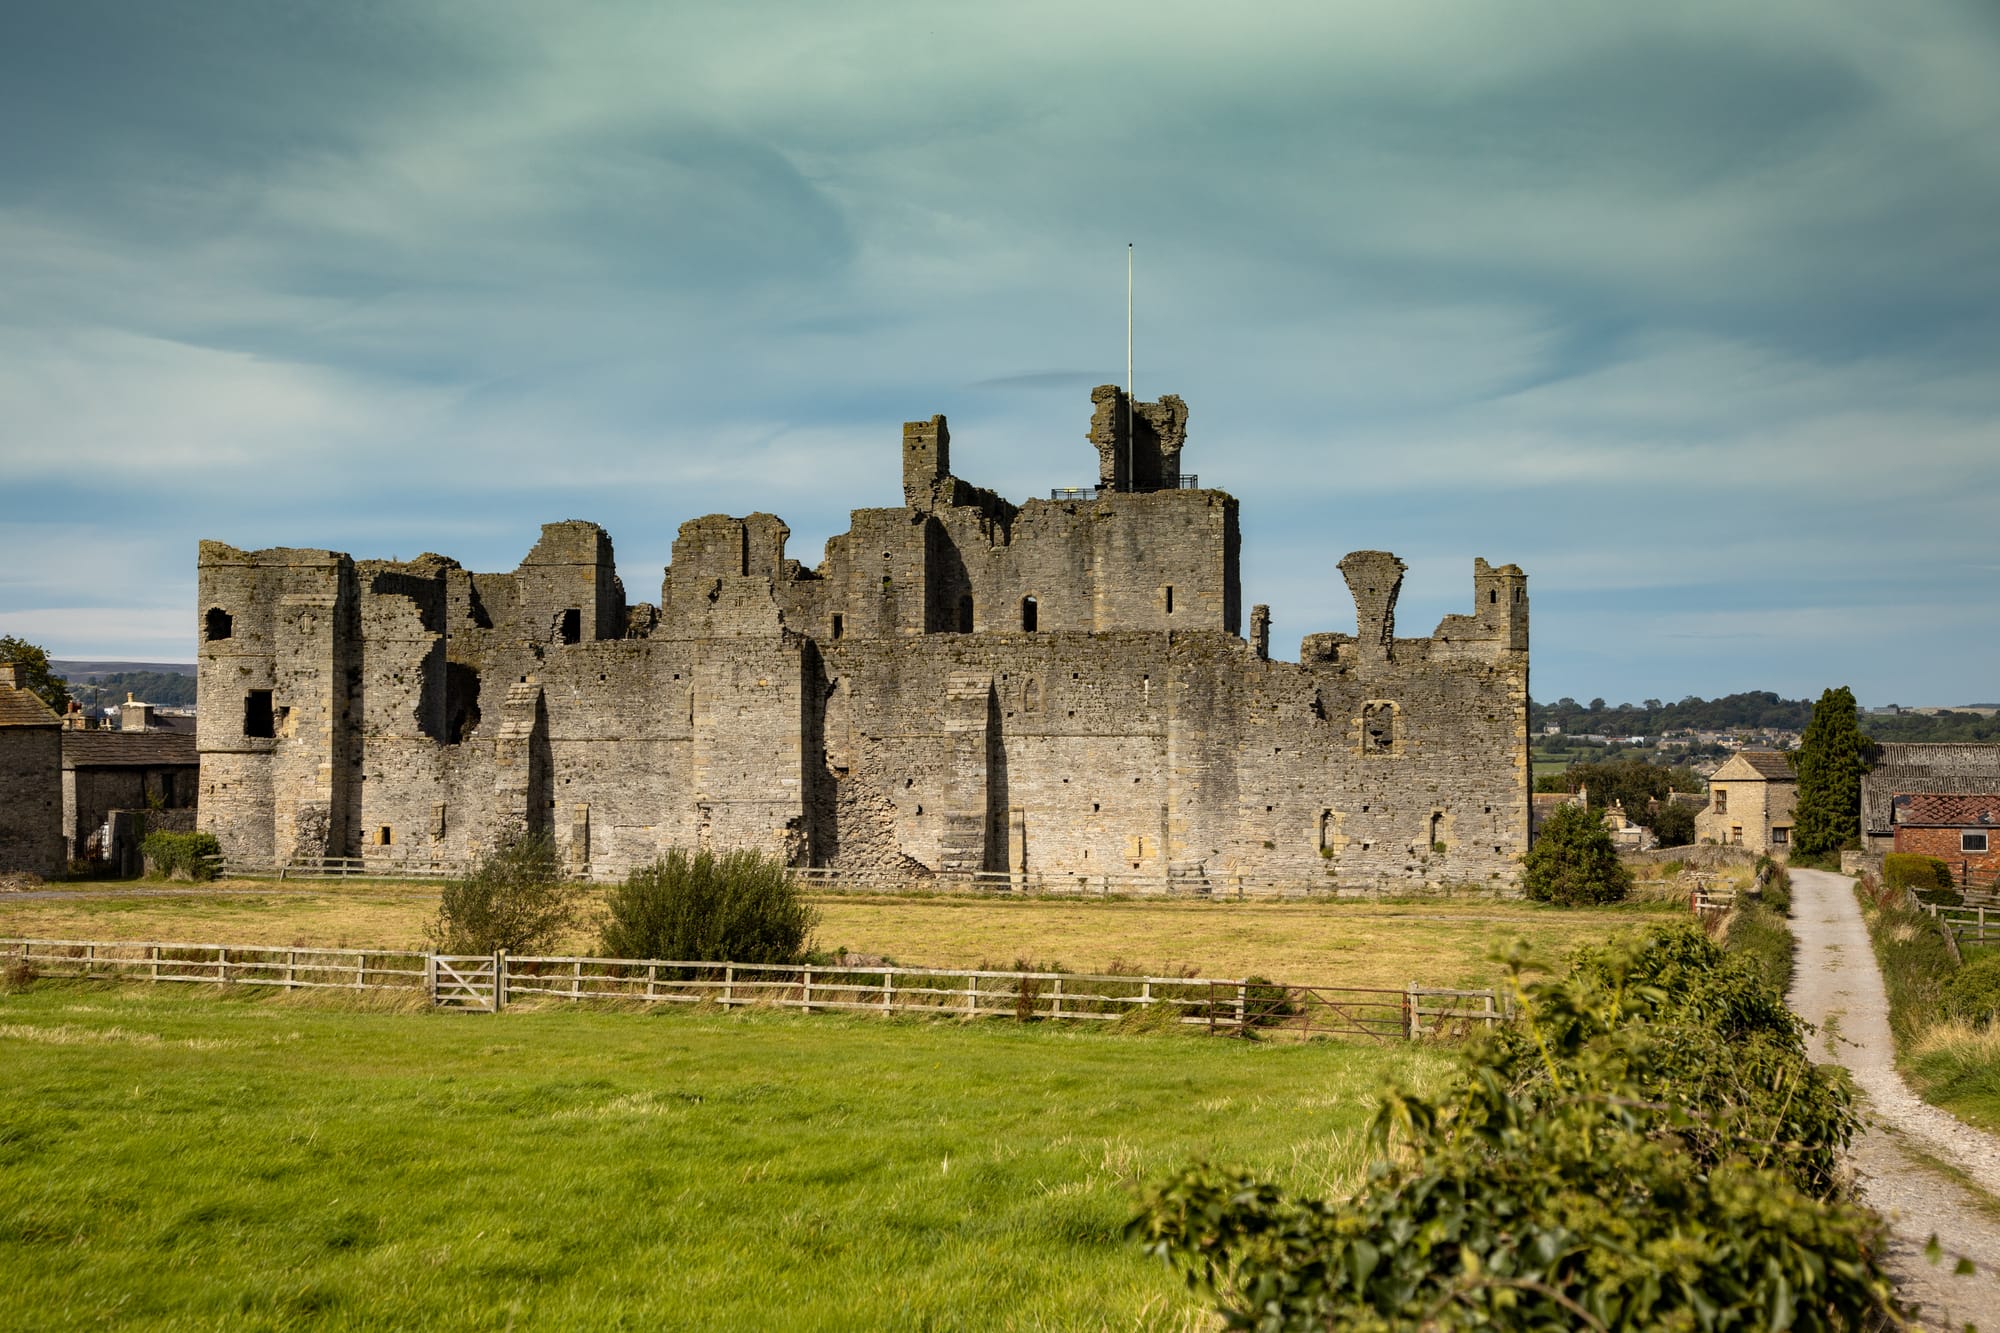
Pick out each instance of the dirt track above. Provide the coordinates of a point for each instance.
(1837, 987)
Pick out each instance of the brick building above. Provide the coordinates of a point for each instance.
(30, 779)
(1750, 802)
(1961, 829)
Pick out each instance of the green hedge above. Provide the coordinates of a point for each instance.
(190, 854)
(1903, 870)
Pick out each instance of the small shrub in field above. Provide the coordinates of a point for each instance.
(739, 907)
(1905, 870)
(1972, 993)
(516, 899)
(182, 854)
(1574, 862)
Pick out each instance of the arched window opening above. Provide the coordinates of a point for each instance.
(1031, 614)
(572, 625)
(218, 624)
(1492, 596)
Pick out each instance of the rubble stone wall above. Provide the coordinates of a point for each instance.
(962, 684)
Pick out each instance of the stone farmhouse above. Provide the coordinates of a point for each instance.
(1750, 802)
(964, 684)
(30, 779)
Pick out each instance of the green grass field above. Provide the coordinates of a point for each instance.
(173, 1158)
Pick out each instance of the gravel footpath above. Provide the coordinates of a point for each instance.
(1837, 987)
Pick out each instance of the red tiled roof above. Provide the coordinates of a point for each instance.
(1950, 810)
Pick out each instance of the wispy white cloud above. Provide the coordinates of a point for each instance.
(1644, 299)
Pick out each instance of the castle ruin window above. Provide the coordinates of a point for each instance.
(259, 721)
(572, 626)
(386, 836)
(1170, 599)
(1492, 596)
(217, 624)
(839, 625)
(1378, 728)
(1031, 614)
(965, 615)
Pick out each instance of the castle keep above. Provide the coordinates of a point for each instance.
(963, 684)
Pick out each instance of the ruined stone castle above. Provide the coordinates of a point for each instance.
(963, 684)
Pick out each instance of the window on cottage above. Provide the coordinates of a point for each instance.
(217, 624)
(1031, 614)
(965, 615)
(1722, 800)
(1972, 841)
(258, 719)
(1781, 837)
(572, 625)
(1736, 835)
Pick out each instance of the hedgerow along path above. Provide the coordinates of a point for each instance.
(176, 1157)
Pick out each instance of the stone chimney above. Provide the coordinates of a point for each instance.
(135, 716)
(10, 675)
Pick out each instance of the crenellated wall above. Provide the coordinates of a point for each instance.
(962, 684)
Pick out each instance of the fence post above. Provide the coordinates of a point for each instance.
(1411, 1021)
(652, 979)
(431, 976)
(291, 967)
(576, 979)
(153, 951)
(809, 991)
(1057, 998)
(499, 980)
(971, 995)
(1242, 996)
(888, 990)
(728, 985)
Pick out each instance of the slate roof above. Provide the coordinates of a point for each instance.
(24, 708)
(1881, 786)
(127, 749)
(1769, 764)
(1950, 809)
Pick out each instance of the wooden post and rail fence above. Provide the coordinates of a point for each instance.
(490, 982)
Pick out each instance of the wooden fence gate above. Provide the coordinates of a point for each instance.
(477, 983)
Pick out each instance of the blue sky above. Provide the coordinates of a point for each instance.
(1689, 310)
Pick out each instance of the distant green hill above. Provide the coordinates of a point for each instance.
(167, 684)
(1744, 712)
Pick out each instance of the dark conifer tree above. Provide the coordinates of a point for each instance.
(1832, 756)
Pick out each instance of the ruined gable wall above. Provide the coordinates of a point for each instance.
(31, 793)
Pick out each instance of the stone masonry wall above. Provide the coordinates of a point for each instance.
(962, 684)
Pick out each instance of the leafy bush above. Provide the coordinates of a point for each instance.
(1972, 993)
(181, 854)
(1905, 870)
(1673, 824)
(742, 907)
(1650, 1147)
(516, 899)
(1941, 897)
(1573, 861)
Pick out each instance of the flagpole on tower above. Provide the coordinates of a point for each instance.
(1128, 365)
